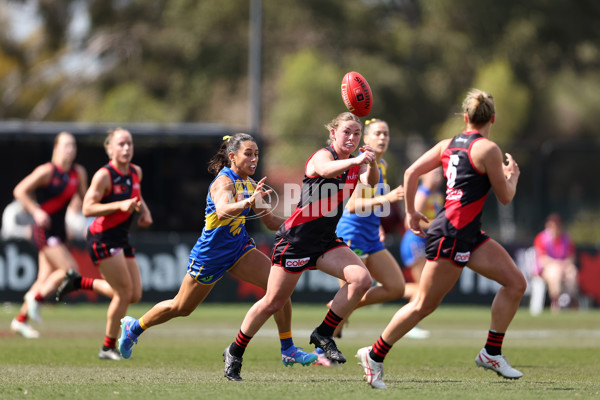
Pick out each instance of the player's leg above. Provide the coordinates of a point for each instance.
(254, 267)
(493, 261)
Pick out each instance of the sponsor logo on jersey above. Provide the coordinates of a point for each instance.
(453, 194)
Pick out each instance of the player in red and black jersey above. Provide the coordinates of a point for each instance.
(307, 240)
(472, 165)
(46, 193)
(113, 198)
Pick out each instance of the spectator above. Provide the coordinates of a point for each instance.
(555, 263)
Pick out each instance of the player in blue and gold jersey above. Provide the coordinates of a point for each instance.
(225, 246)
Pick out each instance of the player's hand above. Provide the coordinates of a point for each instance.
(396, 195)
(130, 205)
(41, 218)
(367, 156)
(414, 222)
(511, 168)
(256, 200)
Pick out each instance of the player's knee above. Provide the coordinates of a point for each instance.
(272, 306)
(396, 291)
(521, 285)
(424, 309)
(363, 282)
(135, 298)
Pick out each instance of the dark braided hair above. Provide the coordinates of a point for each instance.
(231, 144)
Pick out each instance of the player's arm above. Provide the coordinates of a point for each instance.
(24, 193)
(222, 191)
(428, 161)
(263, 209)
(99, 188)
(323, 164)
(359, 201)
(503, 177)
(145, 219)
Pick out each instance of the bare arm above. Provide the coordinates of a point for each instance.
(428, 161)
(262, 208)
(23, 192)
(503, 177)
(359, 201)
(222, 191)
(100, 187)
(82, 185)
(323, 164)
(145, 218)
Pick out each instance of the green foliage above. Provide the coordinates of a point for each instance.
(187, 61)
(511, 100)
(127, 103)
(574, 106)
(304, 105)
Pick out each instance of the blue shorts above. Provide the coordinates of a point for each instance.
(364, 247)
(209, 274)
(412, 248)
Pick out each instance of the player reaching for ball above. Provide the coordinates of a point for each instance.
(224, 246)
(472, 165)
(360, 225)
(307, 240)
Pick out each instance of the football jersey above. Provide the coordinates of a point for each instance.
(466, 190)
(221, 240)
(123, 187)
(313, 222)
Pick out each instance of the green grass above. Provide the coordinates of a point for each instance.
(558, 354)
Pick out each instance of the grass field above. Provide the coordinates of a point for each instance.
(558, 354)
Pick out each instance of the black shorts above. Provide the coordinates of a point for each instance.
(295, 260)
(48, 237)
(456, 250)
(100, 248)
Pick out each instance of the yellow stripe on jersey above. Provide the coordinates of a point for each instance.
(235, 222)
(212, 222)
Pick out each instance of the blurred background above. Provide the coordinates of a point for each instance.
(181, 74)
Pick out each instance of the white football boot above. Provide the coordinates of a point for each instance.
(373, 370)
(498, 364)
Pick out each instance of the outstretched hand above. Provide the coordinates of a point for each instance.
(259, 194)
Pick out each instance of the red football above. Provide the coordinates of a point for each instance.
(356, 94)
